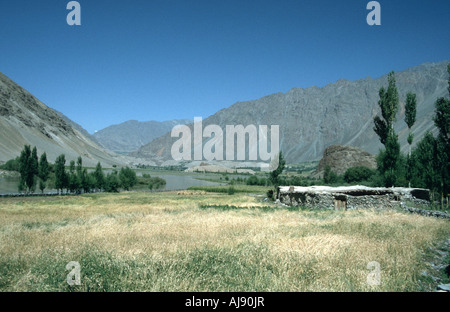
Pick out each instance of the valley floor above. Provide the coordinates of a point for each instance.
(198, 241)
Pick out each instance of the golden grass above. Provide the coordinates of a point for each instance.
(166, 242)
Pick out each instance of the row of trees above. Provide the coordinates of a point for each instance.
(31, 170)
(74, 180)
(428, 164)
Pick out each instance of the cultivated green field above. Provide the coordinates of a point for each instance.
(202, 241)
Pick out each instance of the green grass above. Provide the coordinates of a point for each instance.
(196, 241)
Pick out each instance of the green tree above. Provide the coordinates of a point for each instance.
(24, 167)
(410, 119)
(358, 174)
(11, 165)
(127, 178)
(274, 176)
(28, 169)
(384, 128)
(389, 106)
(44, 172)
(89, 183)
(156, 183)
(424, 160)
(112, 182)
(442, 159)
(34, 163)
(99, 177)
(329, 176)
(72, 176)
(79, 175)
(61, 177)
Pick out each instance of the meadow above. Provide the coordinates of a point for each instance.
(204, 241)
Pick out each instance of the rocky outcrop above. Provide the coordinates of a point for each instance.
(340, 158)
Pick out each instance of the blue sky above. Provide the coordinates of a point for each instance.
(162, 60)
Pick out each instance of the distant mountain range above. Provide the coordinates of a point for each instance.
(26, 120)
(341, 113)
(310, 120)
(129, 136)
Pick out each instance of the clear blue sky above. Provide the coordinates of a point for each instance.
(162, 60)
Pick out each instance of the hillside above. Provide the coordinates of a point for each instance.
(129, 136)
(340, 113)
(26, 120)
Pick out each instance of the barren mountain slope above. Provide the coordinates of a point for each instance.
(341, 113)
(26, 120)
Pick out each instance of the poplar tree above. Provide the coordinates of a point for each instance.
(61, 179)
(410, 119)
(389, 159)
(43, 172)
(442, 122)
(275, 174)
(99, 177)
(28, 168)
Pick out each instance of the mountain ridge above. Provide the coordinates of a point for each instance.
(24, 120)
(340, 113)
(130, 135)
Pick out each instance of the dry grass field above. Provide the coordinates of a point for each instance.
(197, 241)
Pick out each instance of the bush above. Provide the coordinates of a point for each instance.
(253, 180)
(11, 165)
(156, 183)
(231, 190)
(358, 174)
(270, 194)
(112, 183)
(127, 178)
(329, 176)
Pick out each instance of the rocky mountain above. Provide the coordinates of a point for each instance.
(312, 119)
(340, 158)
(26, 120)
(129, 136)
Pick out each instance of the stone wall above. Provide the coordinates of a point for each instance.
(348, 198)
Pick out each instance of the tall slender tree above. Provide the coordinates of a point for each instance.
(72, 177)
(61, 179)
(275, 174)
(43, 172)
(384, 128)
(28, 168)
(24, 167)
(410, 119)
(99, 177)
(442, 122)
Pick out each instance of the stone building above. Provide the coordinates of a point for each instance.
(348, 197)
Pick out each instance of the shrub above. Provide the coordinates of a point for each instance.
(11, 165)
(156, 183)
(329, 176)
(127, 178)
(358, 174)
(112, 183)
(270, 194)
